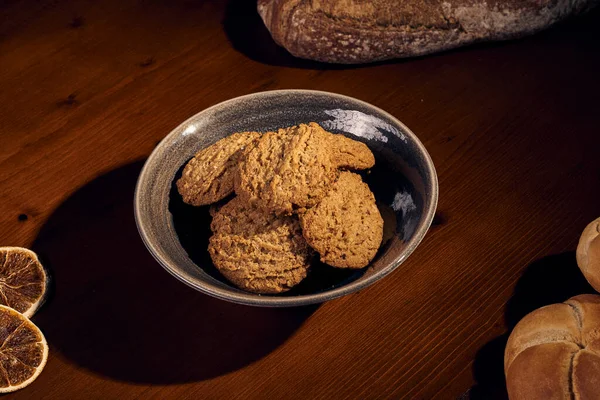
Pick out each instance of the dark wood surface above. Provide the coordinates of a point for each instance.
(88, 88)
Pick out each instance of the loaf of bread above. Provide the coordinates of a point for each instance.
(554, 352)
(358, 31)
(588, 254)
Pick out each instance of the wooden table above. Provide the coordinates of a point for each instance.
(88, 88)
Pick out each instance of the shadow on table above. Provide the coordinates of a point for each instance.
(116, 312)
(550, 280)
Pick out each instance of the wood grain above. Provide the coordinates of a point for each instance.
(89, 88)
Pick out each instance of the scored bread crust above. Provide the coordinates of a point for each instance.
(346, 31)
(554, 352)
(588, 254)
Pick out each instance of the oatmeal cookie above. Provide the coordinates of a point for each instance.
(258, 251)
(349, 153)
(208, 177)
(288, 170)
(345, 228)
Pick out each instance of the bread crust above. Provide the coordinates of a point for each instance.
(554, 352)
(350, 31)
(588, 253)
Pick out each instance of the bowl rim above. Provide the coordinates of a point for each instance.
(252, 299)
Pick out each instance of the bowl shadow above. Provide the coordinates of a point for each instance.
(552, 279)
(116, 312)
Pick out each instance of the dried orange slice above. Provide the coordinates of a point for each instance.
(23, 280)
(23, 350)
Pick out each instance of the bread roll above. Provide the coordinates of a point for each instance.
(588, 254)
(358, 31)
(554, 352)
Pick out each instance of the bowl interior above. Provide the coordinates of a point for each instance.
(403, 181)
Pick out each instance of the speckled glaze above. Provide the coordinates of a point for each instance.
(404, 182)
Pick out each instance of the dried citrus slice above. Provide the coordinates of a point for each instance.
(23, 350)
(23, 280)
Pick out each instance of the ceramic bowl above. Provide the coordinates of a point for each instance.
(403, 180)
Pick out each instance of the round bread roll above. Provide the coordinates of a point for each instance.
(588, 254)
(554, 352)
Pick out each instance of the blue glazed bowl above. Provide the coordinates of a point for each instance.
(403, 180)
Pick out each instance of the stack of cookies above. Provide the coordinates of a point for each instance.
(295, 195)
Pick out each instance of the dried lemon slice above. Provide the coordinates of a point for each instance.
(23, 280)
(23, 350)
